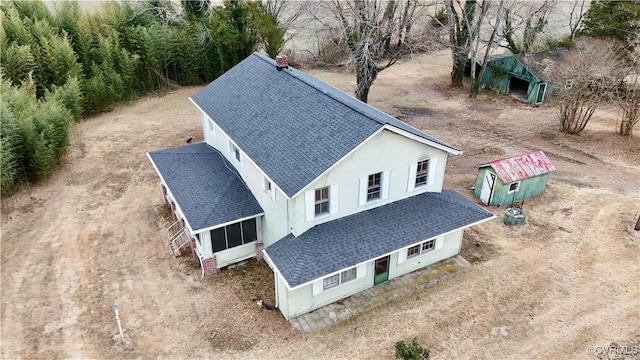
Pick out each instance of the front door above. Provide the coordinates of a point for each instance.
(487, 187)
(381, 270)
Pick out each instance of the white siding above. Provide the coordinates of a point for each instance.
(274, 223)
(310, 297)
(445, 247)
(387, 152)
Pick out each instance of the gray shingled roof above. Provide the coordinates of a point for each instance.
(205, 186)
(345, 242)
(293, 126)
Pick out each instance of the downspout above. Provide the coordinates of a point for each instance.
(276, 275)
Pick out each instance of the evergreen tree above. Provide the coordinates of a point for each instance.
(612, 19)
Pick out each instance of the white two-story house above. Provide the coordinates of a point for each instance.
(335, 195)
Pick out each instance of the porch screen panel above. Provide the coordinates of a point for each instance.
(218, 240)
(234, 235)
(249, 232)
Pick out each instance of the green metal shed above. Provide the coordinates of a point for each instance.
(520, 74)
(512, 179)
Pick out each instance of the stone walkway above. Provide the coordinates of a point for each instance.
(378, 295)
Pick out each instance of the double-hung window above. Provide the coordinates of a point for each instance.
(422, 171)
(322, 201)
(420, 249)
(373, 186)
(330, 282)
(338, 279)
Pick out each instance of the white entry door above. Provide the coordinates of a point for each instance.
(487, 187)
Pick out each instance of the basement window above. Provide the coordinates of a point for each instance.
(514, 186)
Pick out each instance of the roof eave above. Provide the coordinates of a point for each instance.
(443, 147)
(169, 190)
(291, 288)
(244, 153)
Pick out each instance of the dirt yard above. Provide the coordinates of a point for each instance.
(563, 286)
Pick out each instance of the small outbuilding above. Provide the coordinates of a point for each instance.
(522, 75)
(512, 179)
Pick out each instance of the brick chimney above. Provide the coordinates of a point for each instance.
(282, 62)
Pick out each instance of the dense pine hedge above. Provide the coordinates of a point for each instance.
(58, 66)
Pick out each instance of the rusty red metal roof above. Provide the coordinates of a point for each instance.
(521, 166)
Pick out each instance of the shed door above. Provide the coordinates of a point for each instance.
(542, 90)
(487, 187)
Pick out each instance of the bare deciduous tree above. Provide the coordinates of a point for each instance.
(167, 11)
(629, 105)
(367, 27)
(460, 19)
(475, 82)
(484, 8)
(578, 10)
(288, 13)
(629, 92)
(523, 22)
(586, 77)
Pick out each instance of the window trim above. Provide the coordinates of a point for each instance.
(425, 173)
(357, 274)
(335, 282)
(267, 187)
(226, 236)
(437, 244)
(321, 202)
(363, 191)
(432, 167)
(235, 153)
(375, 189)
(210, 126)
(421, 250)
(517, 184)
(310, 203)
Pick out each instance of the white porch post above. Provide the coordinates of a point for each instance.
(259, 245)
(205, 239)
